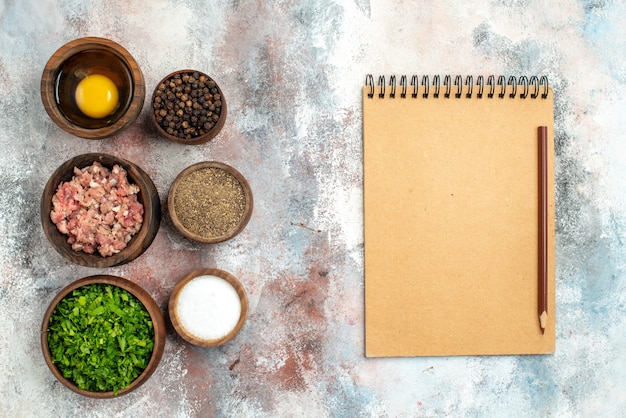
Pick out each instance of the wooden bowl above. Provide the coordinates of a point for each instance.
(155, 315)
(174, 301)
(147, 195)
(158, 105)
(205, 206)
(74, 61)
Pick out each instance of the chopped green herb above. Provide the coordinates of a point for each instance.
(100, 337)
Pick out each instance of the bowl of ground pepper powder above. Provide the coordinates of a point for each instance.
(188, 107)
(210, 202)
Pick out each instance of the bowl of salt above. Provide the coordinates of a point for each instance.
(208, 307)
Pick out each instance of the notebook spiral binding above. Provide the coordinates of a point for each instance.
(523, 84)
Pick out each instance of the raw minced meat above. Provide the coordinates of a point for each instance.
(98, 209)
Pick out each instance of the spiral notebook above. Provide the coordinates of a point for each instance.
(451, 213)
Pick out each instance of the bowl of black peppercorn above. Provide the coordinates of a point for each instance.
(188, 107)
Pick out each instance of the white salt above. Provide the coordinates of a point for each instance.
(208, 307)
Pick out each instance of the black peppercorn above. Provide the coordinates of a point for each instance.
(187, 105)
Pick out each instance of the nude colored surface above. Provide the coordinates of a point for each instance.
(292, 74)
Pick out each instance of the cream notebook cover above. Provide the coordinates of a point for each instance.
(451, 212)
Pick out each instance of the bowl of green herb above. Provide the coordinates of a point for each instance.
(103, 336)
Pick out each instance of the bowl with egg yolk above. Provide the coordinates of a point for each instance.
(92, 88)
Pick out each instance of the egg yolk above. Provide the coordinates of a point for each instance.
(96, 96)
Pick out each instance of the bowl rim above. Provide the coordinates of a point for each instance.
(139, 242)
(148, 302)
(199, 139)
(199, 166)
(48, 82)
(173, 300)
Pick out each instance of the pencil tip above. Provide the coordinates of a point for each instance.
(543, 321)
(543, 330)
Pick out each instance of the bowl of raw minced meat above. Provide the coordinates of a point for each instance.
(99, 210)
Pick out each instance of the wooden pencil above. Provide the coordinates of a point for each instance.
(543, 228)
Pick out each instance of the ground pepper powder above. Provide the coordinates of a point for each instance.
(210, 202)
